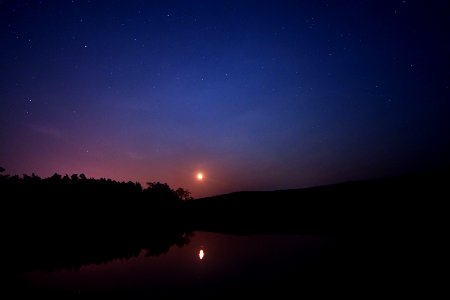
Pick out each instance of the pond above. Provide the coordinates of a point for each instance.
(209, 265)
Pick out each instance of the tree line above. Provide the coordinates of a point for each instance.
(66, 221)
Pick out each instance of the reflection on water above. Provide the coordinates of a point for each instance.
(201, 254)
(259, 263)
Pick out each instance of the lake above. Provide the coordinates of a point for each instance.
(209, 265)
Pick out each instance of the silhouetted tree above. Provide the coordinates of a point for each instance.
(1, 175)
(183, 194)
(161, 193)
(56, 177)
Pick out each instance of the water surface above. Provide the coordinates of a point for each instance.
(211, 264)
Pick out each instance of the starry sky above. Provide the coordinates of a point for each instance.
(258, 95)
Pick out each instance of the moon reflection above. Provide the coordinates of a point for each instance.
(201, 254)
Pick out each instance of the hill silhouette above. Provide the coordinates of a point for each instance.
(400, 203)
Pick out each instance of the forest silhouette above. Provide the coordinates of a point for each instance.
(64, 222)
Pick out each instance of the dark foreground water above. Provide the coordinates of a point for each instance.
(210, 265)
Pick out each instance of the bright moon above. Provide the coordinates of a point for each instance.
(201, 254)
(200, 176)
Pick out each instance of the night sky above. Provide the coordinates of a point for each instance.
(258, 95)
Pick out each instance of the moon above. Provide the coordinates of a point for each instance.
(199, 176)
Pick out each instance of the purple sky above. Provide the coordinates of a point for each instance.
(258, 95)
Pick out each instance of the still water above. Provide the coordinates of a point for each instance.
(210, 265)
